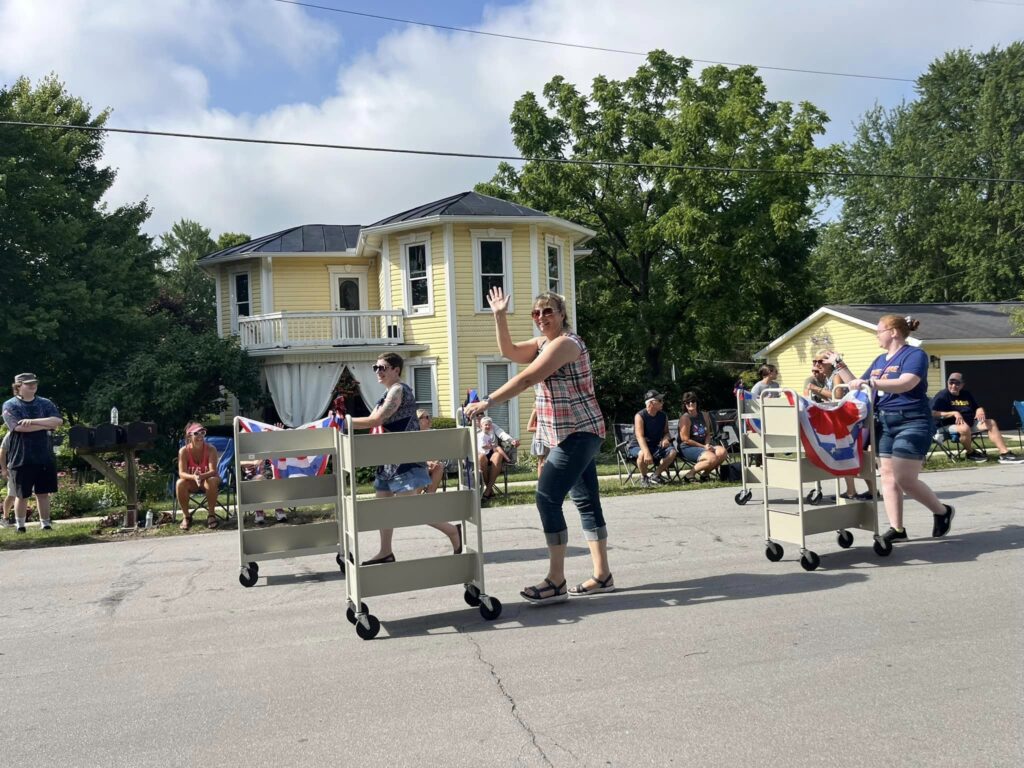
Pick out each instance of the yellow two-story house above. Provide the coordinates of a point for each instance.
(313, 301)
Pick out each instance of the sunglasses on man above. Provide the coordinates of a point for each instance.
(380, 368)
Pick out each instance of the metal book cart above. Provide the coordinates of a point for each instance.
(361, 516)
(785, 465)
(748, 420)
(279, 541)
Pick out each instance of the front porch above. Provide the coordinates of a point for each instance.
(311, 330)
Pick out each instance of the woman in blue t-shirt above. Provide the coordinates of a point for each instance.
(899, 377)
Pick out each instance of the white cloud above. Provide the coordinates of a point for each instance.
(422, 88)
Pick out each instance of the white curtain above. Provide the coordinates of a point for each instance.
(368, 384)
(302, 391)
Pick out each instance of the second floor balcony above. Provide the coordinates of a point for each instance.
(297, 330)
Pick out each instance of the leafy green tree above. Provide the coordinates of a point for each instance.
(685, 263)
(186, 290)
(75, 276)
(914, 240)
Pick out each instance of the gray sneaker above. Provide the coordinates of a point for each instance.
(1009, 458)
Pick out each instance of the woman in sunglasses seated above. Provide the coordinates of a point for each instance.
(396, 412)
(695, 435)
(197, 471)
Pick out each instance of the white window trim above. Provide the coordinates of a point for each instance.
(550, 241)
(423, 362)
(233, 299)
(359, 271)
(417, 238)
(476, 236)
(513, 405)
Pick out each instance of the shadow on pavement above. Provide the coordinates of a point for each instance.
(518, 614)
(527, 555)
(954, 548)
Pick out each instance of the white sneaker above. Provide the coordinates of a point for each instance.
(44, 525)
(260, 518)
(4, 523)
(1009, 458)
(281, 516)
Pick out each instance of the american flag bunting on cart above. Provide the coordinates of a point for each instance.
(295, 466)
(831, 432)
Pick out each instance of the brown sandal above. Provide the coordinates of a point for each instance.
(212, 523)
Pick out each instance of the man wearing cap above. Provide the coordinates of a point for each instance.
(961, 415)
(31, 467)
(651, 440)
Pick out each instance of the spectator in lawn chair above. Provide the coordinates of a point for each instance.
(961, 415)
(652, 443)
(31, 466)
(435, 469)
(769, 380)
(537, 449)
(8, 510)
(197, 471)
(696, 435)
(492, 453)
(826, 394)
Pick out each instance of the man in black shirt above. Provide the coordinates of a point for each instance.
(651, 439)
(961, 415)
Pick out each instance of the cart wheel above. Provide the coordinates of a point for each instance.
(773, 551)
(255, 568)
(350, 613)
(471, 596)
(844, 539)
(490, 614)
(340, 562)
(809, 561)
(814, 496)
(248, 577)
(882, 547)
(743, 497)
(368, 633)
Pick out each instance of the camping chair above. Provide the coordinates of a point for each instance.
(949, 443)
(225, 470)
(623, 438)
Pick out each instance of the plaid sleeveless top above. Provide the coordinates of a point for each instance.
(566, 402)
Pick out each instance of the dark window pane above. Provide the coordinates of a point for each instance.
(491, 261)
(243, 309)
(491, 281)
(348, 291)
(241, 288)
(417, 260)
(419, 293)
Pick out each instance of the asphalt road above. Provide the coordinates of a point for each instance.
(149, 652)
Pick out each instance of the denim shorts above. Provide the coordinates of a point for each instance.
(404, 482)
(659, 454)
(905, 434)
(692, 453)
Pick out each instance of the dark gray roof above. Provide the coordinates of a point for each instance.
(309, 238)
(462, 204)
(985, 320)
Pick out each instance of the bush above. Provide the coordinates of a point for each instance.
(72, 500)
(444, 422)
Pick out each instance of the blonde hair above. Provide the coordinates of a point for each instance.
(423, 413)
(551, 299)
(905, 325)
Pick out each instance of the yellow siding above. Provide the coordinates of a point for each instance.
(224, 277)
(855, 343)
(304, 285)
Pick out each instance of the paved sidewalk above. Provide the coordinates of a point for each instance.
(149, 652)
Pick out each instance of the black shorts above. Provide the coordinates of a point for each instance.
(32, 478)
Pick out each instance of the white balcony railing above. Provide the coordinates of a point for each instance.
(289, 330)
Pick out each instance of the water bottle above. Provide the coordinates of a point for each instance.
(149, 518)
(113, 415)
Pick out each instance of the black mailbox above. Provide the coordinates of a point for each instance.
(109, 436)
(140, 433)
(81, 437)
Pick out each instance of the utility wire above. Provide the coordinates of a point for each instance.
(564, 44)
(513, 158)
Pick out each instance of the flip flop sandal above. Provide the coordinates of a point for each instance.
(606, 585)
(213, 524)
(535, 594)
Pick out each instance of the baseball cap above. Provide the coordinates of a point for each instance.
(25, 378)
(653, 394)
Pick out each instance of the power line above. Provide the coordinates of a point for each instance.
(514, 158)
(582, 46)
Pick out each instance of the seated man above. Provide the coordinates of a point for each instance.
(961, 415)
(651, 439)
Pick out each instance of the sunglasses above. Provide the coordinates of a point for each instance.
(958, 382)
(689, 402)
(539, 313)
(380, 368)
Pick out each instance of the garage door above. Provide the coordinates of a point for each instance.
(995, 384)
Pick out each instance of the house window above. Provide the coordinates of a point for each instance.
(493, 376)
(492, 265)
(555, 269)
(241, 305)
(419, 293)
(422, 383)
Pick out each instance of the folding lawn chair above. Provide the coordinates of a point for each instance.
(623, 439)
(225, 470)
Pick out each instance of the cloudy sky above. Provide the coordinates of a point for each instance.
(269, 69)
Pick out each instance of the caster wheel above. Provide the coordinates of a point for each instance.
(809, 561)
(368, 633)
(255, 568)
(248, 578)
(773, 551)
(350, 613)
(844, 539)
(882, 547)
(490, 614)
(472, 596)
(340, 562)
(814, 496)
(743, 497)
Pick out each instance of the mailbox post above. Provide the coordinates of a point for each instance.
(87, 442)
